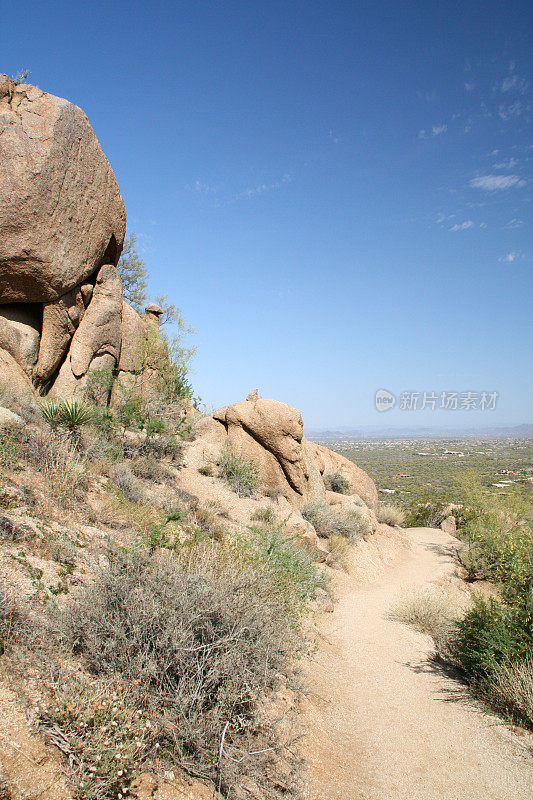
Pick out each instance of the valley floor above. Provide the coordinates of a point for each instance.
(383, 722)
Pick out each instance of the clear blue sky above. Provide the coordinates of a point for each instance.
(337, 194)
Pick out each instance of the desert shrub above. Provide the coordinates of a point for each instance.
(147, 468)
(274, 492)
(98, 386)
(205, 517)
(288, 570)
(108, 734)
(264, 514)
(390, 514)
(429, 611)
(336, 482)
(241, 475)
(500, 547)
(424, 515)
(511, 687)
(327, 522)
(122, 476)
(133, 274)
(199, 644)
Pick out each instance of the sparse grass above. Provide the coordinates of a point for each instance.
(149, 469)
(263, 514)
(327, 521)
(511, 686)
(241, 475)
(10, 448)
(390, 514)
(431, 611)
(336, 482)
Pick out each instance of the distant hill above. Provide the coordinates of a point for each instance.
(524, 431)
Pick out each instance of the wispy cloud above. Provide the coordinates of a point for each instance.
(261, 188)
(440, 218)
(436, 130)
(492, 183)
(512, 111)
(462, 226)
(512, 162)
(512, 83)
(201, 188)
(469, 87)
(332, 136)
(515, 223)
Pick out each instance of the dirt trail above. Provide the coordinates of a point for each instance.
(383, 722)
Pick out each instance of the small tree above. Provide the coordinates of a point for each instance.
(133, 273)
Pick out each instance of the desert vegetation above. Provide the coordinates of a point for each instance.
(328, 522)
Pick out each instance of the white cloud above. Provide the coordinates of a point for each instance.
(436, 130)
(514, 223)
(333, 137)
(512, 162)
(422, 134)
(462, 226)
(491, 183)
(469, 87)
(510, 257)
(482, 224)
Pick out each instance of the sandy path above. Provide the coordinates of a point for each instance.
(385, 724)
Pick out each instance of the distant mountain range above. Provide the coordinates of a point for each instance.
(345, 434)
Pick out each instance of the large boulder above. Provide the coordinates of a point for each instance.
(20, 332)
(270, 434)
(61, 213)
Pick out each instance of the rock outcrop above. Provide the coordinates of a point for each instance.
(62, 225)
(270, 435)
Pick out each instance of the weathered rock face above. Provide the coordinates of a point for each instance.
(61, 213)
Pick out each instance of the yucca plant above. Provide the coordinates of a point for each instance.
(72, 412)
(75, 412)
(51, 411)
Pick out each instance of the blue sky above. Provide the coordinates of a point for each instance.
(337, 195)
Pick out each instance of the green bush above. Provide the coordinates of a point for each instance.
(336, 482)
(287, 569)
(492, 633)
(239, 474)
